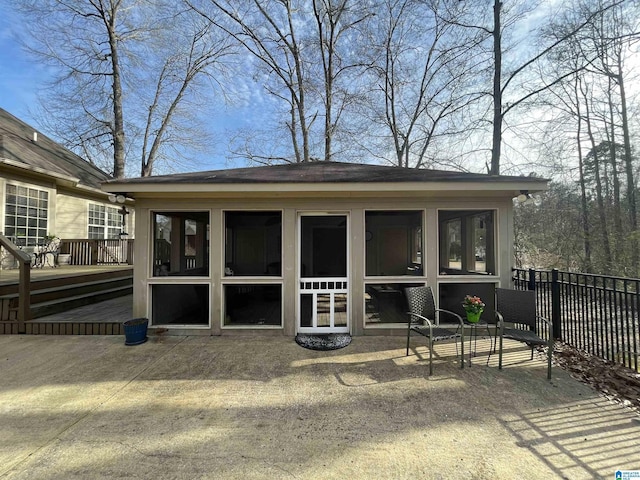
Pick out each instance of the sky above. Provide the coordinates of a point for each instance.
(21, 78)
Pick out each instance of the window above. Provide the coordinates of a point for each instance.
(26, 214)
(386, 303)
(180, 244)
(393, 243)
(104, 222)
(253, 245)
(177, 304)
(467, 243)
(253, 305)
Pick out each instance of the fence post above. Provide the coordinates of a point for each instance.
(94, 252)
(531, 282)
(555, 305)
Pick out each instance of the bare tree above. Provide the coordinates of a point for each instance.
(596, 104)
(611, 36)
(85, 42)
(303, 53)
(268, 31)
(515, 85)
(334, 20)
(196, 56)
(98, 51)
(421, 69)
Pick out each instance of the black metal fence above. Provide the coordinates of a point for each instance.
(595, 313)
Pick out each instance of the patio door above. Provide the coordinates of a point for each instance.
(323, 280)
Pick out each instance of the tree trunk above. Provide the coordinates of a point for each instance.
(118, 116)
(631, 184)
(602, 214)
(497, 91)
(586, 229)
(613, 157)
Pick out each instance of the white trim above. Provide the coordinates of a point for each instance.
(237, 280)
(106, 226)
(496, 247)
(348, 188)
(51, 208)
(340, 290)
(151, 247)
(172, 326)
(223, 299)
(32, 168)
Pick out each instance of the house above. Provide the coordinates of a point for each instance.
(315, 247)
(48, 190)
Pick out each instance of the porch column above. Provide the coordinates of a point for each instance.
(356, 277)
(289, 271)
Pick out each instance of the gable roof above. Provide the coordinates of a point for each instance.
(19, 148)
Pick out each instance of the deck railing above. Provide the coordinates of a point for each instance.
(98, 252)
(595, 313)
(24, 284)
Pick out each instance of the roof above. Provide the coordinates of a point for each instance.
(323, 178)
(321, 172)
(20, 148)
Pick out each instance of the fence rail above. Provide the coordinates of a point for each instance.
(595, 313)
(98, 252)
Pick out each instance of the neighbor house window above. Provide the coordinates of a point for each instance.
(180, 244)
(467, 242)
(104, 222)
(393, 243)
(26, 214)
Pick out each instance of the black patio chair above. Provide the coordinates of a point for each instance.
(518, 308)
(424, 319)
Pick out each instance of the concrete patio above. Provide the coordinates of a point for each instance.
(253, 407)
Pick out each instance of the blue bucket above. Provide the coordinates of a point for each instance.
(135, 331)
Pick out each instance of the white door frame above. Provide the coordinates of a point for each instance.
(330, 286)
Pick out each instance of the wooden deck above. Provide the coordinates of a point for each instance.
(70, 300)
(10, 277)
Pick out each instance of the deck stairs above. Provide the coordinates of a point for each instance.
(52, 295)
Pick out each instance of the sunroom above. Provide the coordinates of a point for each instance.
(320, 247)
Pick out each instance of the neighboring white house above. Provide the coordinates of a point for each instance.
(316, 247)
(48, 190)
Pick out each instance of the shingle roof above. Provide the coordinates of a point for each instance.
(321, 172)
(17, 144)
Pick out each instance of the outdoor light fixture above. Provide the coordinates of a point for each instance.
(525, 198)
(123, 210)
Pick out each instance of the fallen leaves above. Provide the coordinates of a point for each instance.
(616, 382)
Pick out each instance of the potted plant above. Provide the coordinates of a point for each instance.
(474, 307)
(135, 331)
